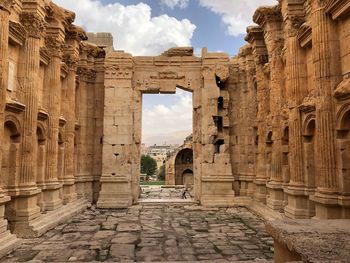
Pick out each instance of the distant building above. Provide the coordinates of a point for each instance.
(159, 152)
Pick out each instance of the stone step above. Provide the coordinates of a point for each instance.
(8, 243)
(172, 201)
(51, 219)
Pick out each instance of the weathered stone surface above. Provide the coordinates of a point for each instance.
(151, 245)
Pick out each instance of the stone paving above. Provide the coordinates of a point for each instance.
(152, 233)
(158, 192)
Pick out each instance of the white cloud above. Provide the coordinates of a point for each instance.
(133, 27)
(174, 3)
(168, 121)
(236, 14)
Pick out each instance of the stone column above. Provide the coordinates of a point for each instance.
(51, 198)
(270, 19)
(25, 204)
(69, 193)
(295, 62)
(324, 56)
(256, 38)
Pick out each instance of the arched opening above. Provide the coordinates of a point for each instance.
(60, 162)
(10, 156)
(41, 156)
(10, 162)
(343, 136)
(183, 163)
(268, 153)
(309, 153)
(285, 162)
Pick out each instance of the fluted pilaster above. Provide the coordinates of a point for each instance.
(31, 62)
(327, 180)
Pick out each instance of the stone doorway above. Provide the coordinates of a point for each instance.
(167, 121)
(126, 79)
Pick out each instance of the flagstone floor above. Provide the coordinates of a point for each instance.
(145, 233)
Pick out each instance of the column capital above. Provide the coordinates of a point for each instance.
(267, 15)
(54, 46)
(34, 24)
(71, 61)
(6, 5)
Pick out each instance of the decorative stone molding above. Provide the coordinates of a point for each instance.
(76, 33)
(266, 14)
(44, 56)
(62, 121)
(179, 52)
(342, 92)
(118, 72)
(64, 70)
(6, 5)
(43, 115)
(15, 107)
(86, 74)
(34, 24)
(71, 61)
(305, 35)
(17, 33)
(338, 8)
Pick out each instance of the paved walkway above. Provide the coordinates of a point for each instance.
(158, 192)
(152, 233)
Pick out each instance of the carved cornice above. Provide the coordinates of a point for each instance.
(34, 24)
(254, 33)
(43, 115)
(267, 14)
(305, 35)
(44, 56)
(15, 107)
(62, 121)
(76, 33)
(6, 5)
(338, 8)
(17, 33)
(64, 70)
(56, 13)
(342, 92)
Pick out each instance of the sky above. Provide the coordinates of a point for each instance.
(149, 27)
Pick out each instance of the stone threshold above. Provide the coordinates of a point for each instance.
(172, 201)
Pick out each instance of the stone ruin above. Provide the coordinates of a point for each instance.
(271, 127)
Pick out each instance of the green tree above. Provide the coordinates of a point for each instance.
(148, 165)
(161, 173)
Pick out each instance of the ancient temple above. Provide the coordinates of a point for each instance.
(271, 125)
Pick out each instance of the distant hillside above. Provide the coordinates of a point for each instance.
(177, 137)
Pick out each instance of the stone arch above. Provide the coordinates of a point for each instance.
(309, 129)
(343, 148)
(40, 154)
(60, 156)
(183, 162)
(10, 149)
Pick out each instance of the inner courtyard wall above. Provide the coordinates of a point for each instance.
(289, 97)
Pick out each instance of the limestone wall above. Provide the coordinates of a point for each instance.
(51, 109)
(289, 102)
